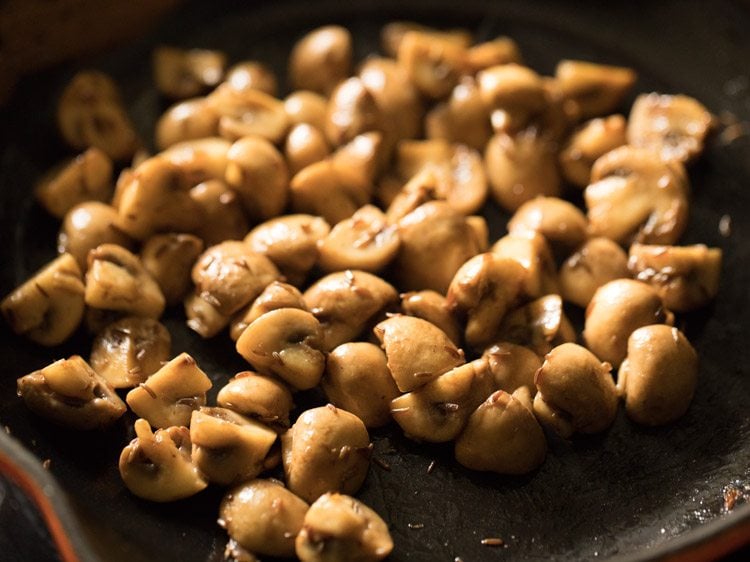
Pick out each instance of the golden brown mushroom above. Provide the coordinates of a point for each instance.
(169, 258)
(259, 397)
(514, 94)
(592, 140)
(513, 366)
(184, 73)
(393, 33)
(433, 62)
(246, 111)
(352, 110)
(304, 106)
(539, 325)
(433, 307)
(561, 223)
(597, 262)
(463, 118)
(252, 74)
(276, 295)
(598, 89)
(185, 121)
(88, 225)
(222, 213)
(531, 251)
(321, 59)
(198, 160)
(305, 144)
(501, 50)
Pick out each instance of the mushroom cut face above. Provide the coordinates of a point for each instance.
(587, 144)
(169, 258)
(597, 89)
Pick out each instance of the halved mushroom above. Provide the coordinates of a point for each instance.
(276, 295)
(246, 111)
(592, 140)
(598, 89)
(659, 376)
(263, 517)
(686, 277)
(222, 213)
(463, 118)
(347, 303)
(288, 343)
(203, 317)
(198, 160)
(116, 280)
(321, 59)
(513, 94)
(70, 393)
(433, 307)
(561, 223)
(88, 177)
(531, 251)
(635, 196)
(252, 74)
(305, 144)
(157, 466)
(417, 351)
(501, 50)
(597, 262)
(393, 33)
(356, 162)
(502, 435)
(185, 121)
(169, 259)
(339, 528)
(539, 325)
(576, 392)
(357, 379)
(169, 396)
(327, 449)
(304, 106)
(184, 73)
(88, 225)
(128, 351)
(513, 366)
(47, 308)
(258, 397)
(438, 411)
(433, 62)
(228, 448)
(351, 111)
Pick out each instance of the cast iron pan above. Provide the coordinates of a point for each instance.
(630, 494)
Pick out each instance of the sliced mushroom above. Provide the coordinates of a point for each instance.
(587, 144)
(222, 213)
(686, 277)
(433, 62)
(501, 50)
(659, 376)
(352, 110)
(246, 111)
(157, 466)
(433, 307)
(305, 144)
(228, 448)
(532, 252)
(252, 74)
(393, 33)
(561, 223)
(130, 350)
(502, 435)
(185, 121)
(169, 259)
(169, 396)
(184, 73)
(463, 118)
(88, 225)
(88, 177)
(199, 160)
(513, 93)
(70, 393)
(47, 308)
(276, 295)
(439, 410)
(339, 528)
(598, 89)
(597, 262)
(321, 59)
(539, 325)
(304, 106)
(576, 392)
(258, 397)
(357, 379)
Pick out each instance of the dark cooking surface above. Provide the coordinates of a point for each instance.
(625, 493)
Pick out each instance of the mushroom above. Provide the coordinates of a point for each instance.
(598, 89)
(514, 94)
(128, 351)
(531, 251)
(304, 106)
(184, 73)
(576, 392)
(433, 62)
(659, 375)
(276, 295)
(169, 259)
(252, 74)
(228, 448)
(561, 223)
(357, 379)
(203, 317)
(263, 517)
(48, 307)
(305, 144)
(355, 163)
(198, 160)
(339, 528)
(498, 51)
(222, 213)
(513, 366)
(392, 34)
(433, 307)
(686, 277)
(438, 411)
(288, 343)
(321, 59)
(635, 196)
(258, 397)
(597, 262)
(88, 177)
(86, 226)
(592, 140)
(539, 325)
(157, 466)
(246, 111)
(352, 110)
(327, 449)
(417, 351)
(70, 393)
(169, 396)
(463, 118)
(185, 121)
(503, 436)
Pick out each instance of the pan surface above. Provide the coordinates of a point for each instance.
(629, 494)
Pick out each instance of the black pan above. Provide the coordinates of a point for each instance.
(630, 494)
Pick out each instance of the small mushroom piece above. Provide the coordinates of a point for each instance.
(339, 528)
(659, 376)
(686, 277)
(561, 223)
(352, 110)
(263, 517)
(47, 308)
(513, 366)
(364, 241)
(539, 325)
(228, 448)
(616, 310)
(305, 144)
(288, 343)
(169, 259)
(592, 140)
(438, 411)
(88, 225)
(355, 162)
(433, 307)
(520, 168)
(90, 114)
(675, 127)
(184, 73)
(246, 111)
(514, 90)
(256, 170)
(198, 160)
(530, 250)
(357, 379)
(597, 262)
(393, 33)
(157, 466)
(463, 118)
(258, 397)
(576, 392)
(252, 74)
(171, 394)
(321, 59)
(290, 242)
(130, 350)
(417, 351)
(598, 89)
(116, 280)
(635, 196)
(498, 51)
(326, 450)
(203, 317)
(70, 393)
(346, 303)
(433, 62)
(482, 292)
(88, 177)
(222, 213)
(276, 295)
(188, 120)
(304, 106)
(503, 436)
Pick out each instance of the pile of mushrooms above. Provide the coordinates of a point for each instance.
(334, 235)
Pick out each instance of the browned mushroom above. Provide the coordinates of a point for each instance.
(88, 225)
(433, 307)
(169, 258)
(247, 111)
(433, 62)
(598, 89)
(304, 106)
(501, 50)
(259, 397)
(532, 252)
(276, 295)
(393, 33)
(352, 110)
(539, 325)
(252, 74)
(305, 144)
(513, 366)
(184, 73)
(463, 118)
(514, 94)
(321, 59)
(197, 160)
(188, 120)
(587, 144)
(597, 262)
(561, 223)
(222, 212)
